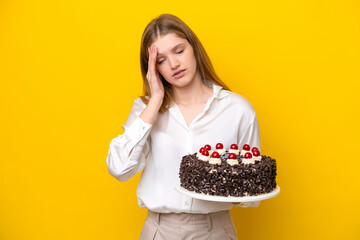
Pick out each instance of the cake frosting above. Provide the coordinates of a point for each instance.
(246, 173)
(232, 162)
(215, 161)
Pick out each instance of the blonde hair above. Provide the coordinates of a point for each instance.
(160, 26)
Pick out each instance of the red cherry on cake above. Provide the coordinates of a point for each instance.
(201, 150)
(205, 152)
(246, 147)
(248, 155)
(232, 156)
(256, 153)
(234, 146)
(254, 149)
(215, 155)
(207, 147)
(219, 146)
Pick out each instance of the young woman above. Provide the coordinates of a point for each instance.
(185, 106)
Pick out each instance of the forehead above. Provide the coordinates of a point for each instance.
(167, 42)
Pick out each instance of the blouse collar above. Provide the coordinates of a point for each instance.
(218, 91)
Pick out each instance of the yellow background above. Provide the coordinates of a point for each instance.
(70, 71)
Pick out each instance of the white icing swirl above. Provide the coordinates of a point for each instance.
(232, 162)
(204, 158)
(248, 160)
(236, 151)
(221, 151)
(215, 161)
(258, 158)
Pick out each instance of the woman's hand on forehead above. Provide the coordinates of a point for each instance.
(153, 75)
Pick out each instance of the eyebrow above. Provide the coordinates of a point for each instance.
(178, 45)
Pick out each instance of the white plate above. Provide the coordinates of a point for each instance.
(202, 196)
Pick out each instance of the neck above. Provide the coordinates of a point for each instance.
(194, 92)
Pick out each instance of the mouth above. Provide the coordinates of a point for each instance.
(178, 72)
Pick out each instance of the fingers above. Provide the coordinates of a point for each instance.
(152, 59)
(153, 76)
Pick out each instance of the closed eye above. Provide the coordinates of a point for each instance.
(176, 53)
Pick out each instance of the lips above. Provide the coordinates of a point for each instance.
(178, 72)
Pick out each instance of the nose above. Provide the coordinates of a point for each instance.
(174, 62)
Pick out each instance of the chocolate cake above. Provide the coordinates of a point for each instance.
(228, 173)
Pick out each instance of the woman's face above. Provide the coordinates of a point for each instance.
(175, 54)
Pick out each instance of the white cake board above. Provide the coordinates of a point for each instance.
(231, 199)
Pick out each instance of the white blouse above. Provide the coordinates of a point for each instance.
(227, 118)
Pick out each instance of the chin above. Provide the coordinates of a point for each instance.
(181, 84)
(184, 81)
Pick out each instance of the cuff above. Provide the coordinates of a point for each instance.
(137, 132)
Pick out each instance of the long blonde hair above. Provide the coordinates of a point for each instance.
(160, 26)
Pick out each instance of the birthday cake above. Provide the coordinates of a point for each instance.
(228, 172)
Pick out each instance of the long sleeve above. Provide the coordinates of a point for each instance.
(250, 135)
(127, 152)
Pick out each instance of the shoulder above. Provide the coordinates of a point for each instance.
(241, 110)
(240, 102)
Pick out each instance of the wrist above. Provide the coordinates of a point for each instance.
(150, 112)
(156, 101)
